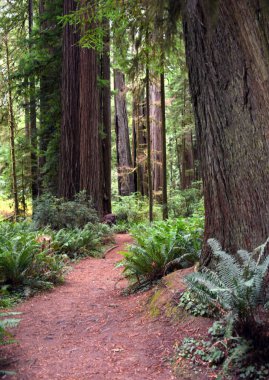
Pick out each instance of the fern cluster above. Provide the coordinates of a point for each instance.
(237, 287)
(160, 248)
(23, 261)
(85, 241)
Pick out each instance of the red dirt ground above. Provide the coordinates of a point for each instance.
(86, 329)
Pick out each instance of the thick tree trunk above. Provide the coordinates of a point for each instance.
(105, 122)
(156, 136)
(150, 192)
(228, 62)
(90, 165)
(124, 160)
(69, 176)
(164, 160)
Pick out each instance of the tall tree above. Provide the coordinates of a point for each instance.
(49, 48)
(156, 135)
(164, 159)
(105, 118)
(150, 192)
(124, 159)
(69, 174)
(32, 110)
(140, 140)
(227, 57)
(11, 127)
(90, 165)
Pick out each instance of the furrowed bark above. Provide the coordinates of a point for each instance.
(228, 62)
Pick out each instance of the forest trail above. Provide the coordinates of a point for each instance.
(86, 329)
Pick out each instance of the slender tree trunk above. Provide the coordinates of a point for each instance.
(134, 144)
(11, 131)
(105, 118)
(187, 172)
(69, 175)
(141, 141)
(26, 111)
(124, 160)
(164, 161)
(149, 168)
(186, 154)
(156, 135)
(228, 62)
(33, 127)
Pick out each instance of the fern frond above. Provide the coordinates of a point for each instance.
(215, 245)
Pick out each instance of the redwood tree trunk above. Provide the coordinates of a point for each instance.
(124, 160)
(140, 157)
(228, 62)
(105, 122)
(90, 165)
(156, 135)
(69, 178)
(150, 192)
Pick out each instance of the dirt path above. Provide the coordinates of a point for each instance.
(86, 329)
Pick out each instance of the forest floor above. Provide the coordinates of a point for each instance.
(88, 329)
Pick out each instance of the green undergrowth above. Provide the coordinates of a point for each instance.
(160, 248)
(134, 209)
(32, 260)
(236, 292)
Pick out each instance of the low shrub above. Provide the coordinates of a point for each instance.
(194, 306)
(160, 248)
(22, 261)
(58, 213)
(184, 203)
(238, 289)
(133, 209)
(81, 242)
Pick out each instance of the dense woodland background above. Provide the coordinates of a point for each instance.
(80, 95)
(94, 88)
(151, 110)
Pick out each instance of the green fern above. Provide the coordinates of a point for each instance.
(237, 287)
(158, 249)
(6, 323)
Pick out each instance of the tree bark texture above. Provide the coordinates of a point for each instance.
(149, 167)
(228, 62)
(141, 143)
(69, 174)
(164, 158)
(134, 142)
(90, 165)
(105, 124)
(156, 135)
(124, 159)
